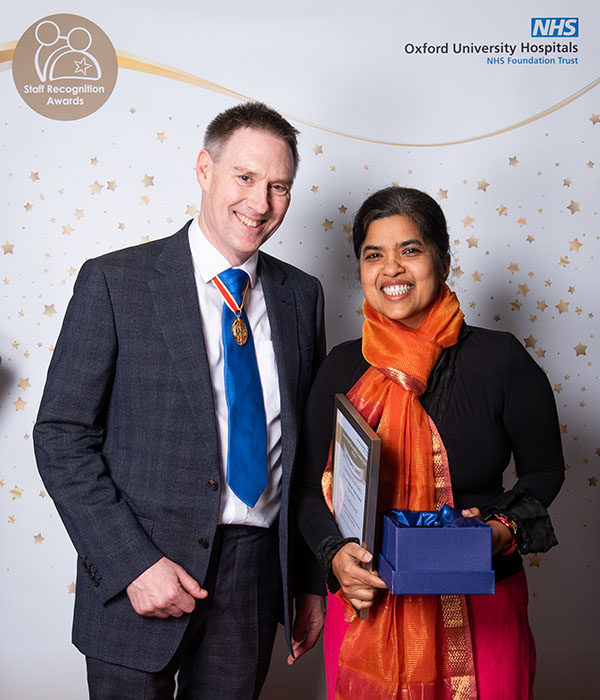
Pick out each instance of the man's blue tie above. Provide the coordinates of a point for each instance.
(247, 435)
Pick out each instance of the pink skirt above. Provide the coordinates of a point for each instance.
(503, 645)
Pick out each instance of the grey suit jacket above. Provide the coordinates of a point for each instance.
(126, 438)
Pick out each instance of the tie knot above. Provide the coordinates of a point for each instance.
(235, 280)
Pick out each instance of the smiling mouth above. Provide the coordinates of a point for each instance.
(396, 290)
(253, 223)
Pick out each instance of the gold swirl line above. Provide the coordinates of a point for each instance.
(134, 62)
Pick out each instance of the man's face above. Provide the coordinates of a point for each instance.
(246, 191)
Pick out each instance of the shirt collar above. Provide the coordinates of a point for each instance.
(209, 262)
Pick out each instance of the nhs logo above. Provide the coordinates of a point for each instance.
(555, 26)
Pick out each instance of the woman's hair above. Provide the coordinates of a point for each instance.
(422, 209)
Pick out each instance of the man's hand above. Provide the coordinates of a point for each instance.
(310, 614)
(164, 590)
(359, 585)
(501, 535)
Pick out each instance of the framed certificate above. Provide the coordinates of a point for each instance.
(355, 465)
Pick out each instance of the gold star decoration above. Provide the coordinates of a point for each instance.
(567, 182)
(24, 383)
(145, 199)
(160, 136)
(575, 245)
(144, 239)
(595, 119)
(533, 318)
(38, 539)
(497, 317)
(314, 189)
(593, 481)
(28, 206)
(96, 187)
(71, 587)
(121, 226)
(502, 210)
(317, 150)
(347, 228)
(562, 306)
(477, 276)
(147, 180)
(332, 168)
(16, 493)
(558, 388)
(523, 289)
(49, 310)
(541, 353)
(515, 305)
(513, 267)
(514, 161)
(457, 272)
(34, 177)
(468, 221)
(72, 271)
(43, 494)
(442, 194)
(93, 161)
(535, 560)
(590, 164)
(573, 207)
(564, 260)
(327, 225)
(6, 281)
(111, 185)
(580, 349)
(530, 342)
(473, 242)
(359, 311)
(342, 209)
(522, 221)
(483, 185)
(8, 248)
(67, 230)
(11, 519)
(191, 210)
(78, 214)
(19, 404)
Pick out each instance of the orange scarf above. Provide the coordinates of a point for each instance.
(412, 647)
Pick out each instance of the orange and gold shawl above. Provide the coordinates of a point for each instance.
(412, 647)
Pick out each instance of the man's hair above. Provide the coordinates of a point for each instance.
(250, 115)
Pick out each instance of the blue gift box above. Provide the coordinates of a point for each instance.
(433, 553)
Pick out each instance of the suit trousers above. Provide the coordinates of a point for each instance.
(226, 649)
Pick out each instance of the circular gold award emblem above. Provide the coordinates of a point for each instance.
(64, 67)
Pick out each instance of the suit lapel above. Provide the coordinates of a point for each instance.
(175, 300)
(282, 313)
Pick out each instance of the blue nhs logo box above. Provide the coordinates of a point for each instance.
(555, 26)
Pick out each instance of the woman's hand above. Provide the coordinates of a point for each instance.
(359, 585)
(501, 535)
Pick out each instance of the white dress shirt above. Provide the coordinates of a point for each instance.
(209, 262)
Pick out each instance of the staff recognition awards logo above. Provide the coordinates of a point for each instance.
(64, 67)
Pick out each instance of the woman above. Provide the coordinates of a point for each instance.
(451, 404)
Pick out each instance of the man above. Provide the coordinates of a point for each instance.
(179, 568)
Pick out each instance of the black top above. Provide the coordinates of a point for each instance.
(489, 400)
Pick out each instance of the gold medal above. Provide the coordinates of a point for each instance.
(239, 331)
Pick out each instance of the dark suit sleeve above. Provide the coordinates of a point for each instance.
(69, 435)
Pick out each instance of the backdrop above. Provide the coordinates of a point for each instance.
(492, 109)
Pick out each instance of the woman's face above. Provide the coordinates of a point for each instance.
(398, 271)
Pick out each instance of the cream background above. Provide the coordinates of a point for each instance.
(333, 67)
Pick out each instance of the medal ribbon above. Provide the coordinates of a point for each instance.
(228, 297)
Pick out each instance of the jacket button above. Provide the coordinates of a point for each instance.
(203, 543)
(212, 485)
